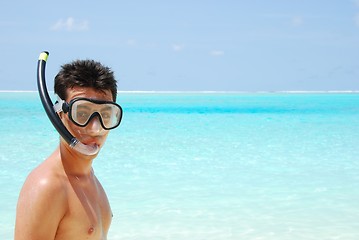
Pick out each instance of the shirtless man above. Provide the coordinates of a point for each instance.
(62, 198)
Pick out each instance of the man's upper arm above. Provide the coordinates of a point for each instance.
(41, 206)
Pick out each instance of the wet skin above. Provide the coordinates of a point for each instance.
(62, 198)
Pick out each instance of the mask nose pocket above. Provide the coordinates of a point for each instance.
(94, 124)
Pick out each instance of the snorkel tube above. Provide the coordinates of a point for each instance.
(51, 113)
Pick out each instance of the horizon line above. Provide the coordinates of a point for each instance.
(236, 92)
(205, 91)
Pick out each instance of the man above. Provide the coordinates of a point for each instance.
(62, 198)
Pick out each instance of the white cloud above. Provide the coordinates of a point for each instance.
(177, 47)
(70, 24)
(297, 21)
(216, 53)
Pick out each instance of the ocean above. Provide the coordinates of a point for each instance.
(214, 166)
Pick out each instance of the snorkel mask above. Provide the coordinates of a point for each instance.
(80, 111)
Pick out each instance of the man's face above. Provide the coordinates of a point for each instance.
(92, 133)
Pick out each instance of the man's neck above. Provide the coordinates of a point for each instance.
(75, 163)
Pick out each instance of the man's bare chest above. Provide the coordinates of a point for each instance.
(88, 214)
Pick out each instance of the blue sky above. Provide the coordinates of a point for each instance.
(230, 45)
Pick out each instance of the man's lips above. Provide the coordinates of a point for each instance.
(91, 141)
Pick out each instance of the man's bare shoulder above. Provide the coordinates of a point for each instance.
(47, 178)
(42, 202)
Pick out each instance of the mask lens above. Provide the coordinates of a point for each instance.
(82, 110)
(110, 115)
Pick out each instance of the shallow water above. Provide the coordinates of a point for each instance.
(209, 166)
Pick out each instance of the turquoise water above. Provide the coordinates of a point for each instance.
(209, 166)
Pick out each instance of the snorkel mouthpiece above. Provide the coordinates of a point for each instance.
(51, 113)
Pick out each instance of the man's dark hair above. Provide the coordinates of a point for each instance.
(85, 73)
